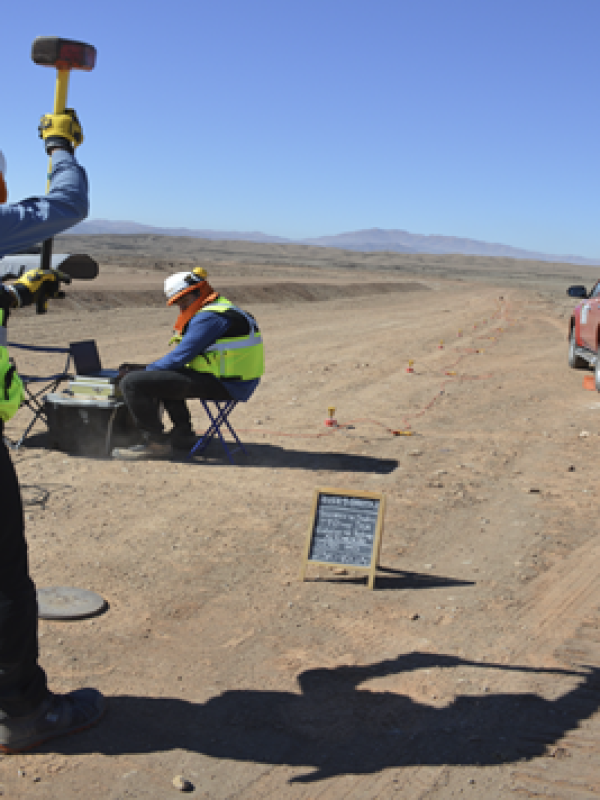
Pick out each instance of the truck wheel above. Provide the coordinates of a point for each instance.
(575, 361)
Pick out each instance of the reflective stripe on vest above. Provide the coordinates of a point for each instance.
(235, 344)
(3, 337)
(239, 358)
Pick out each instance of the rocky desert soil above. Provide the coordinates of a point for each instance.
(472, 670)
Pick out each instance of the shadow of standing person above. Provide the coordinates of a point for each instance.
(336, 728)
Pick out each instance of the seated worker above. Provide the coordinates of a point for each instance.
(219, 356)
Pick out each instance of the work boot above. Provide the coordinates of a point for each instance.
(183, 438)
(139, 452)
(57, 715)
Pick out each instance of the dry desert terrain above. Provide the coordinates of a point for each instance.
(473, 668)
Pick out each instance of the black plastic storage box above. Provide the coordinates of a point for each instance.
(88, 425)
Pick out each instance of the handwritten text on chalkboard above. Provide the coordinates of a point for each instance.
(344, 530)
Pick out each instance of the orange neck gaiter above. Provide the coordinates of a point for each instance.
(3, 189)
(207, 296)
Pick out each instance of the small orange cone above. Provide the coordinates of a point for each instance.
(589, 383)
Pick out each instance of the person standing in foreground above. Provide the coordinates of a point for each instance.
(29, 713)
(219, 356)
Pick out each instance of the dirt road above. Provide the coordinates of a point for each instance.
(471, 670)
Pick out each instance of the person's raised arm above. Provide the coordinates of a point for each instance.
(38, 218)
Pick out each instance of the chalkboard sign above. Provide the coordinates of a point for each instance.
(345, 530)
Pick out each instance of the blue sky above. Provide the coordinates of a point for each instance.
(475, 118)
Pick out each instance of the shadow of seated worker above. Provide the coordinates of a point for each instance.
(271, 456)
(218, 356)
(333, 727)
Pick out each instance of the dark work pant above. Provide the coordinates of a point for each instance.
(145, 390)
(22, 680)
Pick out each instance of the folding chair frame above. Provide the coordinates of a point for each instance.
(50, 383)
(224, 409)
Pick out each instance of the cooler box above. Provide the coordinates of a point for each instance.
(88, 425)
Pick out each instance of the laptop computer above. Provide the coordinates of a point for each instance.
(87, 361)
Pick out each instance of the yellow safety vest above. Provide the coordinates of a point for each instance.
(11, 388)
(239, 358)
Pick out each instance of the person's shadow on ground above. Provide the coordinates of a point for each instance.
(334, 728)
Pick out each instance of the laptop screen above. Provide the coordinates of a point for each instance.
(86, 357)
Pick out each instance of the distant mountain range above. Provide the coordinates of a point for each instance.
(371, 240)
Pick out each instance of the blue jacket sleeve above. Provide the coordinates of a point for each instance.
(37, 218)
(203, 330)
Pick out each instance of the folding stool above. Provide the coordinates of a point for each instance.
(223, 410)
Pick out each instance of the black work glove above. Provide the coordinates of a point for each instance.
(8, 299)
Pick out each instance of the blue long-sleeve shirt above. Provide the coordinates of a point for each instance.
(202, 331)
(37, 218)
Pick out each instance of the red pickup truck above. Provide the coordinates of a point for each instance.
(584, 330)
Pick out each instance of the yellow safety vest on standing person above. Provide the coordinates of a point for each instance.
(240, 358)
(11, 388)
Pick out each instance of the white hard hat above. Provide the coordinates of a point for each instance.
(182, 282)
